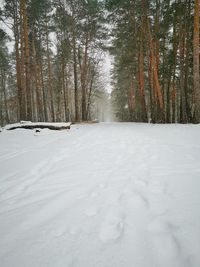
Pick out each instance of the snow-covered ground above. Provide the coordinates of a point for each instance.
(101, 195)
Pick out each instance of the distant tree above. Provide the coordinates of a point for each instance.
(152, 48)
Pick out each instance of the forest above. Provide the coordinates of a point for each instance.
(99, 133)
(52, 59)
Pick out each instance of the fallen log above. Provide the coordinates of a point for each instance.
(39, 125)
(86, 122)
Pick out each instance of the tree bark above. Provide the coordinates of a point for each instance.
(27, 60)
(196, 63)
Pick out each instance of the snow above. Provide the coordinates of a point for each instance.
(100, 195)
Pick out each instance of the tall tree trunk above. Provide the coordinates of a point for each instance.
(171, 88)
(141, 80)
(36, 70)
(18, 65)
(183, 115)
(154, 66)
(23, 93)
(4, 95)
(40, 62)
(186, 79)
(89, 95)
(64, 90)
(157, 25)
(83, 68)
(27, 60)
(196, 63)
(53, 118)
(75, 77)
(131, 100)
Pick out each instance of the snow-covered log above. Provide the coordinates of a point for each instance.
(86, 122)
(39, 125)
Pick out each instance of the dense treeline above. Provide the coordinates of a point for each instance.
(54, 72)
(156, 60)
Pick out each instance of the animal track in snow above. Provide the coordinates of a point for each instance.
(138, 199)
(165, 246)
(160, 226)
(112, 228)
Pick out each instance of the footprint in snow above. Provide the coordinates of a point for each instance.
(59, 232)
(112, 229)
(91, 211)
(142, 199)
(165, 246)
(134, 198)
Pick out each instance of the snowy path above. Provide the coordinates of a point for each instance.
(104, 195)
